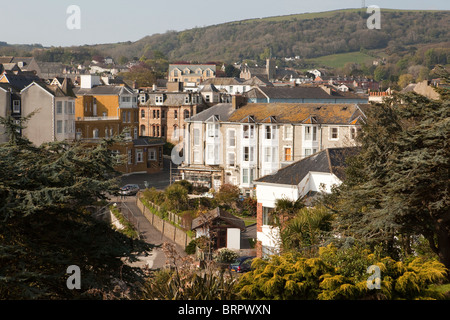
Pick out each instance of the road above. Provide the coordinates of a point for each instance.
(159, 180)
(156, 259)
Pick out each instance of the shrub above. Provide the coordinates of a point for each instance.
(225, 255)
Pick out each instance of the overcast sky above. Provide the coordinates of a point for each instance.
(111, 21)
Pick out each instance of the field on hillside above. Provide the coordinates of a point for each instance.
(339, 60)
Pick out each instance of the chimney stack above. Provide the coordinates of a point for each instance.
(238, 101)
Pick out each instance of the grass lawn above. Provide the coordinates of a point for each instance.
(339, 60)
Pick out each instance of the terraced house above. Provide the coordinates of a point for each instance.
(103, 111)
(240, 142)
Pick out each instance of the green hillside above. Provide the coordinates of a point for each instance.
(306, 35)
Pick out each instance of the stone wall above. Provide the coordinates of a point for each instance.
(170, 231)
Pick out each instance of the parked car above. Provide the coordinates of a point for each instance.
(129, 190)
(242, 264)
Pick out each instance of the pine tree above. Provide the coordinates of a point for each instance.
(399, 184)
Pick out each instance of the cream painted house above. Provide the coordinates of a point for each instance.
(54, 107)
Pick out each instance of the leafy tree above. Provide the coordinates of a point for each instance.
(176, 198)
(228, 194)
(398, 184)
(44, 193)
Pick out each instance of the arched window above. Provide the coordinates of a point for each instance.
(143, 130)
(95, 133)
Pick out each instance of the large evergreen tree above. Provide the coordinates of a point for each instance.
(45, 227)
(398, 186)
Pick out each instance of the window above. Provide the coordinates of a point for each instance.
(163, 114)
(71, 107)
(212, 153)
(307, 152)
(66, 126)
(16, 106)
(59, 126)
(159, 99)
(267, 218)
(353, 133)
(287, 154)
(246, 153)
(249, 153)
(139, 156)
(231, 159)
(270, 154)
(154, 114)
(244, 175)
(130, 157)
(136, 133)
(126, 99)
(175, 132)
(95, 133)
(175, 114)
(231, 138)
(163, 131)
(142, 113)
(186, 114)
(152, 154)
(288, 132)
(186, 99)
(59, 107)
(248, 131)
(334, 133)
(269, 132)
(196, 137)
(213, 130)
(311, 133)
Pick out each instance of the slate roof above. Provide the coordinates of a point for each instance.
(222, 110)
(171, 99)
(148, 142)
(221, 214)
(103, 90)
(332, 160)
(294, 93)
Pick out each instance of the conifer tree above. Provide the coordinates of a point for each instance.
(399, 184)
(45, 228)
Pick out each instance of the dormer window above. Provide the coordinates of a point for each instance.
(159, 99)
(16, 106)
(187, 99)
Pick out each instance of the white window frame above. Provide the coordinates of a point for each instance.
(288, 132)
(331, 134)
(139, 155)
(231, 141)
(16, 106)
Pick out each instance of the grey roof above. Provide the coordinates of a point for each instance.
(296, 93)
(174, 99)
(147, 142)
(332, 160)
(222, 110)
(221, 214)
(103, 90)
(192, 67)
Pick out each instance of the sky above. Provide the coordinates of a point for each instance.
(111, 21)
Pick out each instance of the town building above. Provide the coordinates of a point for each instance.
(307, 178)
(302, 94)
(105, 111)
(240, 142)
(53, 109)
(163, 114)
(191, 75)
